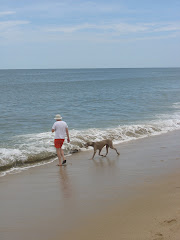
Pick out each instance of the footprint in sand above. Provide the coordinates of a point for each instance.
(172, 221)
(158, 236)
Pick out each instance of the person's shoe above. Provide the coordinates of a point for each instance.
(64, 162)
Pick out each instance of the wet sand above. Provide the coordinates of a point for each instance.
(131, 196)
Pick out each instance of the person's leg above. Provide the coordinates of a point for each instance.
(59, 155)
(62, 154)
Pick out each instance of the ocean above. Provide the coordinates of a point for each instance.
(121, 104)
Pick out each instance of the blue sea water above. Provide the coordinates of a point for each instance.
(121, 104)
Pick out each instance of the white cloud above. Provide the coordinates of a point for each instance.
(5, 13)
(69, 7)
(154, 37)
(121, 28)
(87, 32)
(168, 28)
(71, 29)
(4, 25)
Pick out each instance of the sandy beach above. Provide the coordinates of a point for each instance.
(131, 196)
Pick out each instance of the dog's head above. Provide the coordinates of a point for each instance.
(89, 144)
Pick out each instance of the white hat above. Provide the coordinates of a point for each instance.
(58, 117)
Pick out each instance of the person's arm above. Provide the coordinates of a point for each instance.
(67, 133)
(53, 128)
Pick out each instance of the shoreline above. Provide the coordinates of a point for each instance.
(87, 199)
(22, 166)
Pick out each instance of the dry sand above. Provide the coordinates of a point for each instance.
(133, 196)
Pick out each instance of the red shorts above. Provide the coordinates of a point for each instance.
(58, 143)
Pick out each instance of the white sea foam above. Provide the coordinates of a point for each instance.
(35, 149)
(176, 105)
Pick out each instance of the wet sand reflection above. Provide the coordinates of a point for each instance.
(65, 182)
(105, 161)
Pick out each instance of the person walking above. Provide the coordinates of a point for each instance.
(61, 131)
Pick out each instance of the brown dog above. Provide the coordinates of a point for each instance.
(99, 145)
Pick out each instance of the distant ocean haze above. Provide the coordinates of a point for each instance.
(121, 104)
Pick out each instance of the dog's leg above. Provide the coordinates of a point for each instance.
(94, 154)
(116, 150)
(107, 146)
(100, 152)
(95, 149)
(111, 146)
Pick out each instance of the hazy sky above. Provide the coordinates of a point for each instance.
(80, 33)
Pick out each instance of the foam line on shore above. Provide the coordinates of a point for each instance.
(34, 148)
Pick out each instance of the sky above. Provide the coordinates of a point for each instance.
(89, 34)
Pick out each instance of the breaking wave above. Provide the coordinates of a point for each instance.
(36, 149)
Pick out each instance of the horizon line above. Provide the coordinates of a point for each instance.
(78, 68)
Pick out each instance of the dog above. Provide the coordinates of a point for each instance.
(99, 145)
